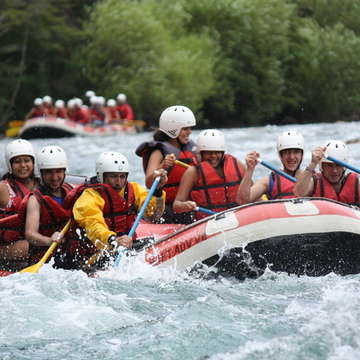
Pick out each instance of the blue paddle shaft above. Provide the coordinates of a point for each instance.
(344, 164)
(280, 172)
(138, 218)
(207, 211)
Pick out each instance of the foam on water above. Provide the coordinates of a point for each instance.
(143, 312)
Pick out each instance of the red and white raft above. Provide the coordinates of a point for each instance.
(54, 127)
(312, 236)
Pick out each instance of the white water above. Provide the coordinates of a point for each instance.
(144, 313)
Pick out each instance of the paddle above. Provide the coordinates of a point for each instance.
(206, 211)
(138, 218)
(122, 249)
(280, 172)
(36, 267)
(344, 164)
(180, 163)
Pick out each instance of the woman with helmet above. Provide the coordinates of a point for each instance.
(20, 178)
(45, 215)
(107, 207)
(332, 182)
(18, 182)
(290, 147)
(214, 182)
(171, 142)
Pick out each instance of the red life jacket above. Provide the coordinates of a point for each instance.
(349, 192)
(49, 110)
(52, 218)
(175, 173)
(82, 116)
(112, 113)
(61, 113)
(280, 187)
(119, 212)
(20, 190)
(37, 112)
(214, 192)
(97, 114)
(125, 111)
(11, 229)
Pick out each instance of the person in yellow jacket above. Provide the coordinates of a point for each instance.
(107, 208)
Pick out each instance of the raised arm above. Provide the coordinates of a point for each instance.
(305, 184)
(249, 192)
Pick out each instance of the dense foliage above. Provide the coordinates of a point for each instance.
(234, 62)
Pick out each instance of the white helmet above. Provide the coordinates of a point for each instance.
(93, 100)
(71, 103)
(290, 139)
(121, 98)
(78, 102)
(336, 149)
(47, 99)
(174, 118)
(52, 157)
(110, 161)
(210, 140)
(111, 102)
(38, 101)
(17, 148)
(101, 100)
(90, 93)
(59, 104)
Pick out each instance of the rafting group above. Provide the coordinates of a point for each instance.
(96, 111)
(187, 180)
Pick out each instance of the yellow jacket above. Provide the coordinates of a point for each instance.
(88, 212)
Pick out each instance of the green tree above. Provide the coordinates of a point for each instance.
(329, 13)
(140, 48)
(326, 70)
(37, 41)
(253, 36)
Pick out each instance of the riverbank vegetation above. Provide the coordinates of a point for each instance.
(234, 62)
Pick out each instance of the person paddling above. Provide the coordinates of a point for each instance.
(332, 182)
(20, 178)
(107, 207)
(16, 184)
(171, 142)
(290, 147)
(44, 212)
(213, 183)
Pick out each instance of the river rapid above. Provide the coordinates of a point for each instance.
(139, 312)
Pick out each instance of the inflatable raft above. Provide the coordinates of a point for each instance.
(303, 236)
(311, 236)
(53, 127)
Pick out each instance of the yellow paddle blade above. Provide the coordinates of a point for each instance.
(36, 267)
(180, 163)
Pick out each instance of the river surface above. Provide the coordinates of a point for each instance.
(140, 312)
